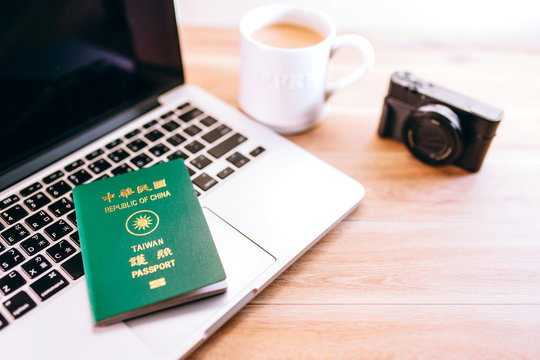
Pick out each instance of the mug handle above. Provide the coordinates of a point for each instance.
(361, 44)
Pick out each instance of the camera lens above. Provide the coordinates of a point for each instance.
(433, 134)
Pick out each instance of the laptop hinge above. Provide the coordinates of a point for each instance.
(170, 96)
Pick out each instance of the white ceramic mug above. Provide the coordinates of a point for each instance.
(287, 88)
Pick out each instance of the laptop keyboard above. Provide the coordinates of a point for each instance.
(39, 243)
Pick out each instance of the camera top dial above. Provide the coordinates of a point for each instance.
(433, 134)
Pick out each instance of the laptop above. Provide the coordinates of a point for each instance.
(92, 89)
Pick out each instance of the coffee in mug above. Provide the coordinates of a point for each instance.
(285, 35)
(285, 52)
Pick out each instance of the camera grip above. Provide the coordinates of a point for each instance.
(361, 44)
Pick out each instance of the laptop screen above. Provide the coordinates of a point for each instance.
(69, 65)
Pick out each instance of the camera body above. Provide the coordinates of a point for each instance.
(439, 126)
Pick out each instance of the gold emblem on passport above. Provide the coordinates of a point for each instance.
(142, 222)
(157, 283)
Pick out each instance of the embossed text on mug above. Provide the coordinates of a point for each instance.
(297, 81)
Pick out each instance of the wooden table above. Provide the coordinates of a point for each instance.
(436, 262)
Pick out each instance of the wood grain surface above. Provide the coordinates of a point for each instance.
(436, 262)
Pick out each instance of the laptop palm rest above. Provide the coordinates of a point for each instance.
(243, 261)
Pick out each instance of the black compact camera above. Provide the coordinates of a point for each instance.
(438, 126)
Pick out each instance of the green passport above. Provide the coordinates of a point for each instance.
(145, 243)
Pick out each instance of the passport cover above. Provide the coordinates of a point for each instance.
(145, 243)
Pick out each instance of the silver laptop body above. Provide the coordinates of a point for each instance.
(276, 203)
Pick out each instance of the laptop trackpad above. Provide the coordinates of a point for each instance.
(243, 261)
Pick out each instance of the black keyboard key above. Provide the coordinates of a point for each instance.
(225, 146)
(19, 304)
(53, 177)
(113, 144)
(141, 160)
(225, 172)
(36, 201)
(7, 202)
(49, 285)
(74, 165)
(190, 115)
(61, 251)
(14, 214)
(208, 121)
(104, 176)
(61, 207)
(58, 230)
(99, 166)
(34, 244)
(149, 124)
(192, 130)
(136, 145)
(194, 147)
(204, 181)
(217, 133)
(122, 169)
(73, 218)
(118, 155)
(15, 234)
(2, 247)
(10, 258)
(3, 322)
(154, 135)
(36, 266)
(190, 171)
(30, 189)
(131, 134)
(166, 115)
(176, 140)
(201, 161)
(79, 177)
(74, 266)
(184, 105)
(177, 154)
(159, 150)
(237, 159)
(94, 154)
(75, 238)
(11, 282)
(59, 189)
(38, 220)
(171, 125)
(257, 151)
